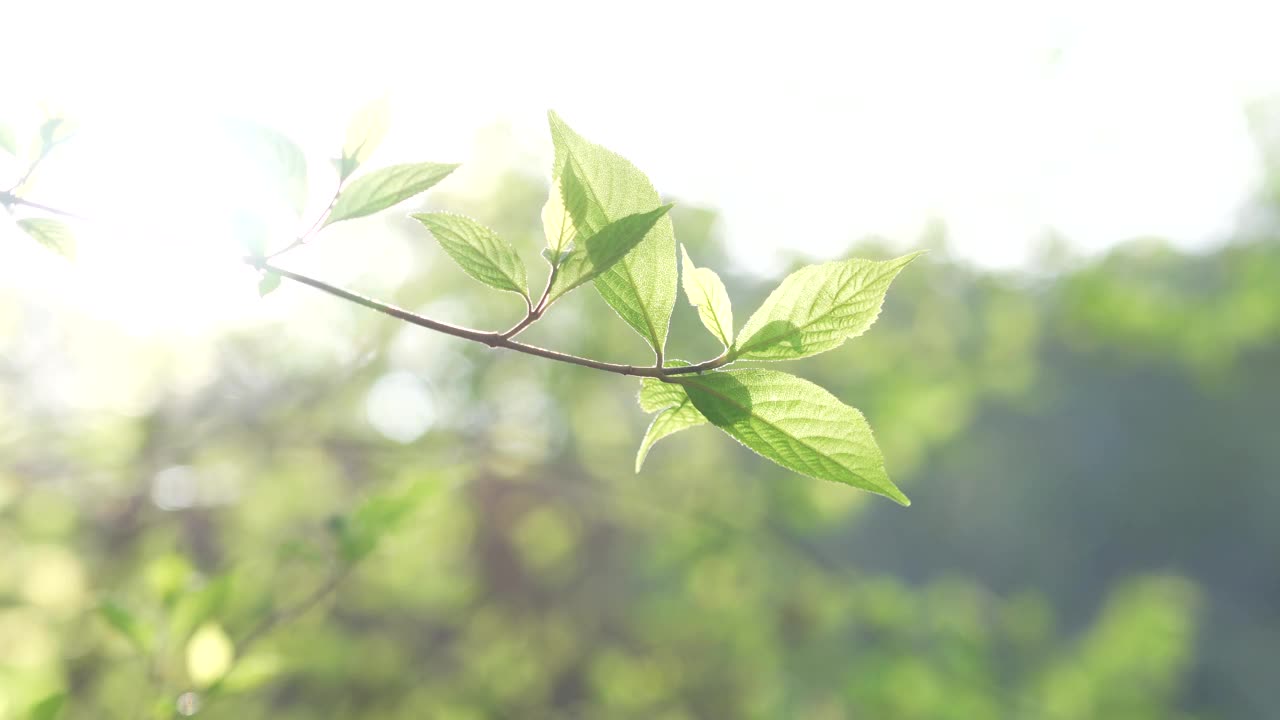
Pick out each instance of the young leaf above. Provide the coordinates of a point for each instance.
(283, 160)
(705, 291)
(642, 287)
(602, 251)
(556, 223)
(817, 308)
(794, 423)
(8, 142)
(53, 234)
(668, 422)
(478, 250)
(268, 283)
(364, 134)
(383, 188)
(657, 395)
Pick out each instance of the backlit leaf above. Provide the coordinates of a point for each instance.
(364, 134)
(53, 234)
(383, 188)
(817, 308)
(794, 423)
(478, 251)
(604, 250)
(642, 287)
(705, 291)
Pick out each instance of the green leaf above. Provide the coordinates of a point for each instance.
(556, 223)
(642, 287)
(8, 141)
(54, 131)
(656, 395)
(364, 134)
(268, 283)
(602, 251)
(53, 234)
(668, 422)
(478, 251)
(126, 624)
(383, 188)
(49, 708)
(817, 308)
(360, 533)
(705, 291)
(794, 423)
(281, 158)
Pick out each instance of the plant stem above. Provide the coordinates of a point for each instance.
(535, 311)
(304, 237)
(8, 198)
(492, 339)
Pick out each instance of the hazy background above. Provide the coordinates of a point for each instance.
(1077, 387)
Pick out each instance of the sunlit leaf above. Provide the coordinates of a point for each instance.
(817, 308)
(383, 188)
(668, 422)
(794, 423)
(364, 134)
(478, 251)
(53, 234)
(281, 158)
(642, 287)
(705, 291)
(602, 251)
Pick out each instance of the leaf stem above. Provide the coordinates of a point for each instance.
(492, 339)
(535, 311)
(8, 198)
(305, 236)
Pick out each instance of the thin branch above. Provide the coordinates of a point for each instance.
(278, 617)
(8, 198)
(305, 236)
(492, 339)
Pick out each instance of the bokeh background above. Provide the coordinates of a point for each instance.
(291, 507)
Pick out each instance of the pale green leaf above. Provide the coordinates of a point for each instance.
(268, 283)
(383, 188)
(642, 287)
(8, 141)
(668, 422)
(556, 223)
(817, 308)
(656, 394)
(126, 624)
(49, 708)
(53, 234)
(794, 423)
(364, 134)
(283, 161)
(705, 291)
(602, 251)
(478, 251)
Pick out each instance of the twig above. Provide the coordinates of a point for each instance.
(305, 236)
(278, 617)
(8, 198)
(492, 339)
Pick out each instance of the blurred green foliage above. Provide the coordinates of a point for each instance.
(341, 516)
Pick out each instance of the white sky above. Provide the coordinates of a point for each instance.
(807, 124)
